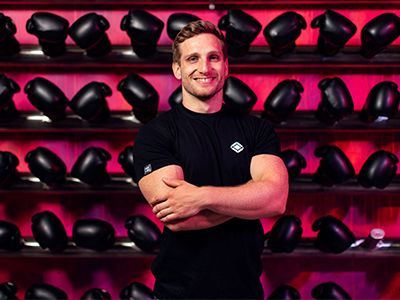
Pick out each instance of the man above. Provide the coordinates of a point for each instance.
(209, 175)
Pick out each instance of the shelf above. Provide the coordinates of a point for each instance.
(121, 185)
(195, 4)
(125, 248)
(123, 122)
(122, 60)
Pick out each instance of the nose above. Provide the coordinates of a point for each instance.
(205, 66)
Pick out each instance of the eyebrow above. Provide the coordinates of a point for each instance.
(198, 54)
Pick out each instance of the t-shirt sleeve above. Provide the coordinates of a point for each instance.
(267, 141)
(152, 150)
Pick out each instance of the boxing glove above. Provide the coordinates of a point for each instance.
(141, 95)
(282, 101)
(294, 162)
(177, 21)
(8, 43)
(93, 234)
(334, 166)
(143, 232)
(51, 30)
(126, 160)
(336, 101)
(285, 234)
(379, 33)
(329, 291)
(333, 236)
(334, 31)
(90, 102)
(176, 97)
(47, 97)
(285, 292)
(46, 165)
(49, 232)
(382, 101)
(44, 291)
(96, 294)
(241, 30)
(8, 88)
(91, 166)
(10, 237)
(238, 97)
(89, 33)
(282, 32)
(144, 30)
(8, 168)
(136, 291)
(378, 170)
(8, 291)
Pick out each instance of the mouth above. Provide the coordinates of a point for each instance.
(204, 79)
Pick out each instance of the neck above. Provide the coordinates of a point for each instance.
(209, 106)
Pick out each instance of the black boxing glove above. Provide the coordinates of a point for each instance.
(293, 161)
(379, 33)
(46, 165)
(8, 88)
(44, 291)
(143, 232)
(329, 291)
(96, 294)
(176, 97)
(90, 102)
(336, 101)
(285, 292)
(89, 33)
(126, 160)
(136, 291)
(334, 166)
(238, 97)
(144, 30)
(334, 31)
(177, 21)
(8, 168)
(91, 166)
(285, 234)
(241, 30)
(378, 170)
(93, 234)
(283, 100)
(282, 32)
(8, 291)
(382, 101)
(10, 237)
(49, 231)
(8, 43)
(51, 30)
(47, 97)
(141, 95)
(333, 236)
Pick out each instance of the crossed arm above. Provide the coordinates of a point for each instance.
(184, 206)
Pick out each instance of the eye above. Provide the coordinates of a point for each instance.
(192, 59)
(214, 57)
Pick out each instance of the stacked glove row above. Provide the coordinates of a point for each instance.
(43, 291)
(335, 167)
(90, 102)
(323, 291)
(144, 31)
(94, 234)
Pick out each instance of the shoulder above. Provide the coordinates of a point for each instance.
(161, 125)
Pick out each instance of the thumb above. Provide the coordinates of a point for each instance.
(172, 182)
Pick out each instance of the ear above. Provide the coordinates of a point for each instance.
(176, 68)
(226, 69)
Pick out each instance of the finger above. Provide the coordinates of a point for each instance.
(160, 206)
(165, 212)
(172, 182)
(169, 218)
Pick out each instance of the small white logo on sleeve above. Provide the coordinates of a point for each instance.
(237, 147)
(147, 169)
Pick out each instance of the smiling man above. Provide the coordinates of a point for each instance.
(209, 176)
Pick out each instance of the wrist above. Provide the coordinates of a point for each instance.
(205, 197)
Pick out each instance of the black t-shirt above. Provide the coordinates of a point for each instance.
(212, 149)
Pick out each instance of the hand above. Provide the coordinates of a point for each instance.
(182, 201)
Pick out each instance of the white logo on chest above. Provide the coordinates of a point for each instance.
(237, 147)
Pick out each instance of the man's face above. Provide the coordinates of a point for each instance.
(202, 67)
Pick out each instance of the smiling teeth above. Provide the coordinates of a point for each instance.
(204, 79)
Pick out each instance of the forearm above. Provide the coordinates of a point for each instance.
(203, 220)
(252, 200)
